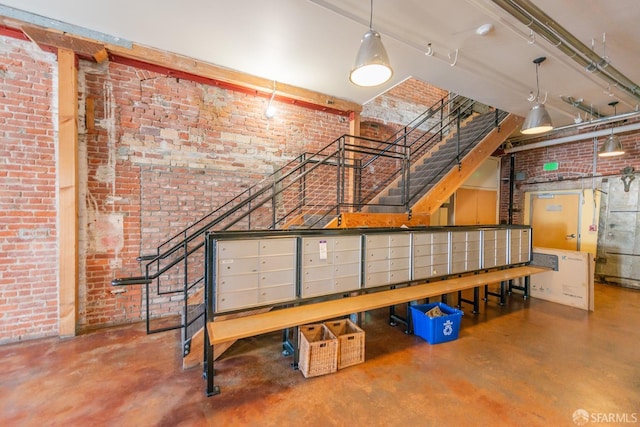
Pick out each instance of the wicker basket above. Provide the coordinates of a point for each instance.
(350, 342)
(318, 351)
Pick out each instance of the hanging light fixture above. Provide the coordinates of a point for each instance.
(371, 67)
(612, 146)
(538, 119)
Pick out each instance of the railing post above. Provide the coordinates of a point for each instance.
(357, 184)
(458, 137)
(441, 119)
(406, 172)
(339, 170)
(273, 204)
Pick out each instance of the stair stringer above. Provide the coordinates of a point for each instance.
(449, 184)
(421, 160)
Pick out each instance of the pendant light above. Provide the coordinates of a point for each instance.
(538, 119)
(371, 67)
(612, 146)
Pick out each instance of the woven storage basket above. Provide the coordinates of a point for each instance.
(350, 342)
(318, 351)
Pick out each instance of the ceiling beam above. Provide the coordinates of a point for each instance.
(176, 65)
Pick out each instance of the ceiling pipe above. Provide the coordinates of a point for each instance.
(573, 138)
(581, 106)
(539, 22)
(581, 126)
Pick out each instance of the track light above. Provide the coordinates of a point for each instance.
(538, 119)
(371, 67)
(612, 146)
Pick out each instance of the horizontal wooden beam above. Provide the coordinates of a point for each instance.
(180, 66)
(189, 66)
(45, 39)
(242, 327)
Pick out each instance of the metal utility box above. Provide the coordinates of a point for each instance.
(387, 259)
(330, 264)
(465, 251)
(430, 255)
(495, 248)
(253, 272)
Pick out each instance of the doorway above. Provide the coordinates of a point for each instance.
(555, 219)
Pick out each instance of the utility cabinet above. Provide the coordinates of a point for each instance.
(387, 259)
(255, 272)
(330, 265)
(495, 248)
(430, 255)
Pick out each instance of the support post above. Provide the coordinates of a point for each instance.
(67, 169)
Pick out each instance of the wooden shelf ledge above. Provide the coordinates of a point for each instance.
(242, 327)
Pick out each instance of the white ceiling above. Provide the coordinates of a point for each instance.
(312, 43)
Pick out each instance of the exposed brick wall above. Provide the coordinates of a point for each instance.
(28, 234)
(163, 152)
(575, 161)
(385, 115)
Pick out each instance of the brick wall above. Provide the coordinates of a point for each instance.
(161, 153)
(575, 162)
(385, 115)
(28, 234)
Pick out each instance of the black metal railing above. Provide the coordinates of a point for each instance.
(303, 193)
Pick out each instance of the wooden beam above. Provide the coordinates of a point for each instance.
(368, 219)
(180, 65)
(48, 38)
(68, 190)
(457, 176)
(172, 61)
(243, 327)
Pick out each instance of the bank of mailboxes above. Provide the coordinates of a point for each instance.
(330, 265)
(465, 251)
(430, 255)
(253, 272)
(520, 245)
(495, 248)
(387, 259)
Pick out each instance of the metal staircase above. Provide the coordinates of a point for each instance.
(346, 175)
(432, 167)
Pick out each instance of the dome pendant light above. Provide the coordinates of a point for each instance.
(538, 119)
(371, 67)
(612, 146)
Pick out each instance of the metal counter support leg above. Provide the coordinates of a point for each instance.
(296, 347)
(209, 372)
(524, 288)
(501, 295)
(475, 302)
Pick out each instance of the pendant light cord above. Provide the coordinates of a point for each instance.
(371, 16)
(537, 84)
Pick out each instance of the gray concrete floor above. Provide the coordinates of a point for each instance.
(529, 363)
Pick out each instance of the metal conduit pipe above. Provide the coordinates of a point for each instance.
(551, 31)
(583, 49)
(574, 138)
(583, 125)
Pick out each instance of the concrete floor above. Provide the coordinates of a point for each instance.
(530, 363)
